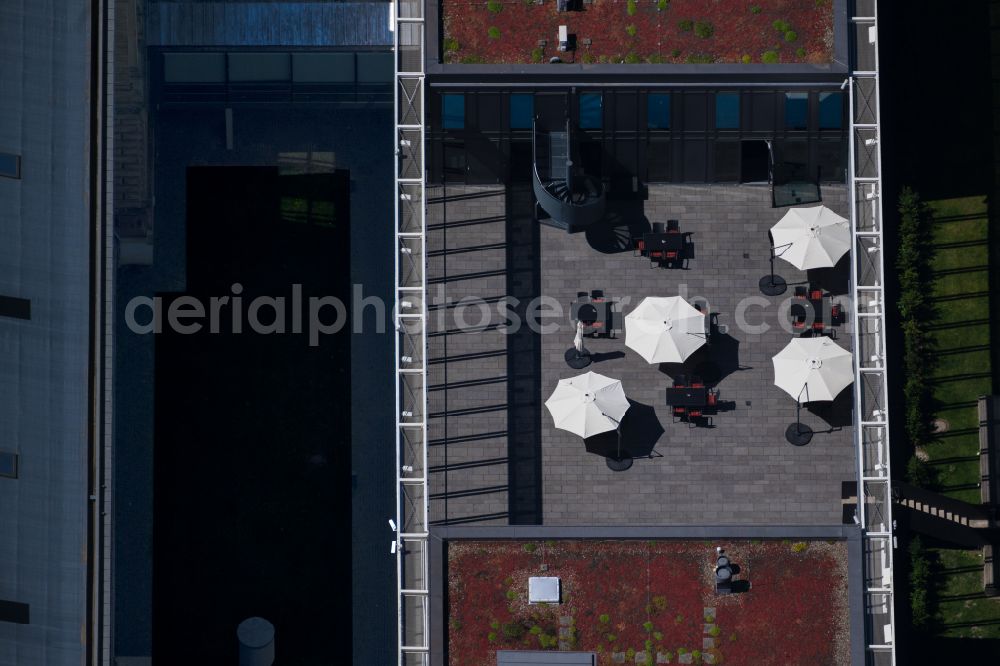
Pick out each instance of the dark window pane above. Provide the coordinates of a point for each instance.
(591, 111)
(488, 112)
(375, 67)
(727, 110)
(795, 151)
(10, 165)
(323, 67)
(695, 112)
(250, 67)
(763, 112)
(796, 110)
(727, 161)
(658, 160)
(453, 111)
(832, 158)
(625, 111)
(194, 67)
(658, 111)
(19, 308)
(695, 162)
(8, 464)
(454, 163)
(522, 110)
(831, 110)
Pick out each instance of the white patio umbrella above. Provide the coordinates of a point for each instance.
(587, 405)
(812, 369)
(813, 237)
(664, 329)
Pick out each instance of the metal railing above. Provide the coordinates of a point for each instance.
(874, 512)
(411, 518)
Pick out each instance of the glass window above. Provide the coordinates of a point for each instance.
(8, 464)
(796, 110)
(10, 165)
(831, 110)
(658, 111)
(453, 111)
(591, 111)
(727, 110)
(522, 110)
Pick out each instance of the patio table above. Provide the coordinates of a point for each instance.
(687, 396)
(663, 242)
(811, 310)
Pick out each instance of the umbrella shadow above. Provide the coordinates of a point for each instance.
(640, 430)
(712, 363)
(606, 356)
(835, 280)
(836, 413)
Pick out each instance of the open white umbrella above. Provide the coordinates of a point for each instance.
(588, 404)
(813, 369)
(813, 237)
(664, 329)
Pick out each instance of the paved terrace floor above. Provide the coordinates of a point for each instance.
(739, 471)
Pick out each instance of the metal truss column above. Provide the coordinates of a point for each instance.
(871, 433)
(410, 546)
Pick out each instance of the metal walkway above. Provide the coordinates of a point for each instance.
(410, 545)
(871, 418)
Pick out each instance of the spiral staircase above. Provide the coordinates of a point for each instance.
(567, 198)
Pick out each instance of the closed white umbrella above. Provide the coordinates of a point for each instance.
(578, 338)
(664, 329)
(588, 404)
(813, 369)
(813, 237)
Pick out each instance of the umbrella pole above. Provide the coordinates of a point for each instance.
(772, 285)
(618, 464)
(798, 433)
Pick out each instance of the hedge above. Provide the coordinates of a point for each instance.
(912, 265)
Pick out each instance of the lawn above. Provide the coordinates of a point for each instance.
(636, 31)
(963, 611)
(638, 602)
(961, 337)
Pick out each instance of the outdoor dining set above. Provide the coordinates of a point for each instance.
(811, 368)
(665, 246)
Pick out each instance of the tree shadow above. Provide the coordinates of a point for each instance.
(640, 430)
(623, 221)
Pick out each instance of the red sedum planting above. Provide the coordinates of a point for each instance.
(650, 598)
(634, 31)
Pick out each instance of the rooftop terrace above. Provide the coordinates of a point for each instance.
(495, 454)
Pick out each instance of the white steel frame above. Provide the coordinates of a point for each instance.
(874, 512)
(410, 546)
